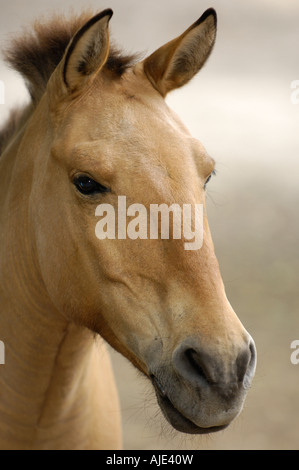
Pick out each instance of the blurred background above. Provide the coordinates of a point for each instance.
(240, 107)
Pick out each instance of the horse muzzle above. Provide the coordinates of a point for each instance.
(201, 391)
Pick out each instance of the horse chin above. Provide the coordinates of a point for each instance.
(179, 422)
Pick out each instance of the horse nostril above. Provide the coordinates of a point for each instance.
(242, 363)
(207, 368)
(197, 364)
(194, 364)
(251, 365)
(245, 363)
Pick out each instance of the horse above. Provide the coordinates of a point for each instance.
(98, 127)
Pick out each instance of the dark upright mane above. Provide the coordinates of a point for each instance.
(36, 54)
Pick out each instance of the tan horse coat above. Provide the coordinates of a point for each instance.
(95, 113)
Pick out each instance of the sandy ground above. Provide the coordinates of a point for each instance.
(240, 108)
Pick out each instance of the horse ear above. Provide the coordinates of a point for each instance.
(87, 52)
(175, 63)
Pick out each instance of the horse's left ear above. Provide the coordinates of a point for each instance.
(175, 63)
(87, 52)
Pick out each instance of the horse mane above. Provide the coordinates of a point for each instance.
(37, 52)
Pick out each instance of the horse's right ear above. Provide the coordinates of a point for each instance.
(86, 53)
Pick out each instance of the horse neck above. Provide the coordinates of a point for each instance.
(49, 361)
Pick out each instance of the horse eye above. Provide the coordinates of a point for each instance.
(213, 173)
(88, 186)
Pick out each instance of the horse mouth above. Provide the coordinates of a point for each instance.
(176, 417)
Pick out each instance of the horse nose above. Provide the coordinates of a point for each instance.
(203, 368)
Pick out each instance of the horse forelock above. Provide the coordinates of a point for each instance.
(36, 53)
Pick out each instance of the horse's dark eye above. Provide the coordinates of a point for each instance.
(208, 180)
(88, 186)
(213, 173)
